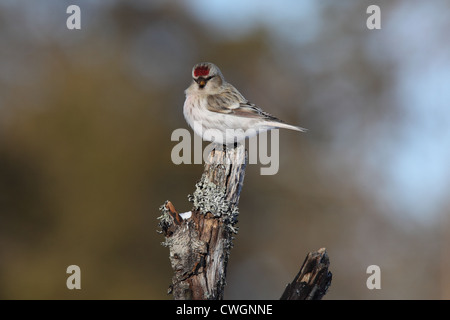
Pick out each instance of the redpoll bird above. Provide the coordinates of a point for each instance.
(218, 112)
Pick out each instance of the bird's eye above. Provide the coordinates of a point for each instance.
(205, 79)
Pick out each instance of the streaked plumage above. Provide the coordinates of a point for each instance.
(218, 112)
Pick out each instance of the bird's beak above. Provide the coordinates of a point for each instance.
(202, 83)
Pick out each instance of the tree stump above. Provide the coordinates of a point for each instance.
(200, 243)
(313, 279)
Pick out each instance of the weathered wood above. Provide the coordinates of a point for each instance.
(313, 279)
(200, 244)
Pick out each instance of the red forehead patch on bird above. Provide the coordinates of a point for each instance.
(201, 71)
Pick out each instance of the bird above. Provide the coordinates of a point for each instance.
(218, 112)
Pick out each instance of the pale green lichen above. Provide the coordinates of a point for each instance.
(165, 218)
(208, 197)
(165, 221)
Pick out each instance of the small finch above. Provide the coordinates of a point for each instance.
(218, 112)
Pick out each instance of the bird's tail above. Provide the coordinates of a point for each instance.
(287, 126)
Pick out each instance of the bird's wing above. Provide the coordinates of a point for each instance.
(238, 107)
(226, 101)
(250, 110)
(233, 103)
(220, 103)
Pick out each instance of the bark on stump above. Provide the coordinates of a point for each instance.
(200, 244)
(313, 279)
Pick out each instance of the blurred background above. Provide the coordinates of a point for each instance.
(86, 118)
